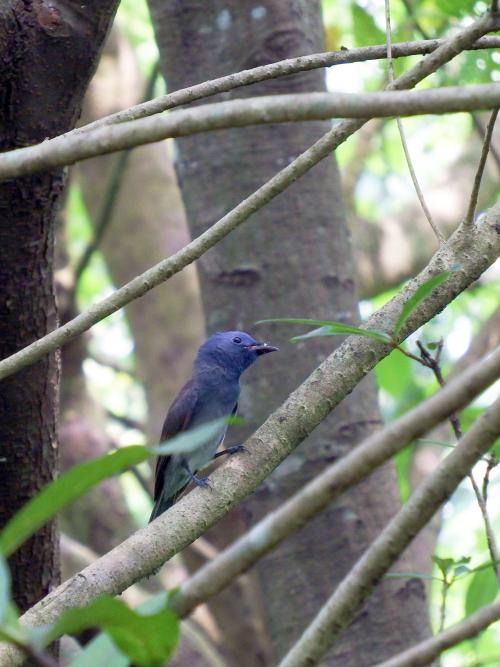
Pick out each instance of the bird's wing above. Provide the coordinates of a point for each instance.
(177, 420)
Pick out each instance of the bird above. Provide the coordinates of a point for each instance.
(211, 393)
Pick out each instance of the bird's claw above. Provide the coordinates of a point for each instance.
(203, 482)
(236, 449)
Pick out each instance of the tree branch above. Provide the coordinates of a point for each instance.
(147, 549)
(469, 218)
(337, 478)
(425, 652)
(66, 150)
(273, 70)
(367, 572)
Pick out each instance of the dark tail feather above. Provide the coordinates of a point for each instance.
(160, 506)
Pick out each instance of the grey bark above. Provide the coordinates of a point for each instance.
(48, 52)
(295, 260)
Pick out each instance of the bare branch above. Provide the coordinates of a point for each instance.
(274, 440)
(273, 70)
(339, 610)
(172, 265)
(416, 185)
(65, 150)
(469, 218)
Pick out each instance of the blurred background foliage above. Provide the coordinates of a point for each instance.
(391, 239)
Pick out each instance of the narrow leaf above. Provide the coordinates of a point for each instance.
(330, 328)
(75, 482)
(419, 296)
(64, 490)
(190, 440)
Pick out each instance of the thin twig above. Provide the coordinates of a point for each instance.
(113, 187)
(445, 587)
(492, 462)
(469, 218)
(274, 70)
(433, 363)
(416, 184)
(481, 132)
(430, 649)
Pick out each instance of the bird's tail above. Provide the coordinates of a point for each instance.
(160, 506)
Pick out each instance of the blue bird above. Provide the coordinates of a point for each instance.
(210, 394)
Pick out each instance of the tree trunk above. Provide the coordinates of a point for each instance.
(292, 259)
(48, 53)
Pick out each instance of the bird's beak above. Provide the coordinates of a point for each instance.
(262, 348)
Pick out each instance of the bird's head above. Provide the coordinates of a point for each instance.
(233, 351)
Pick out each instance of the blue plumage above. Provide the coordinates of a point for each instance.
(211, 393)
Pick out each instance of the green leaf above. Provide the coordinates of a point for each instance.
(444, 564)
(329, 328)
(82, 477)
(395, 376)
(365, 30)
(190, 440)
(147, 640)
(482, 590)
(4, 588)
(102, 650)
(458, 8)
(419, 295)
(64, 490)
(402, 461)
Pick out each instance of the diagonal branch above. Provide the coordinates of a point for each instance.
(65, 150)
(280, 182)
(339, 610)
(147, 549)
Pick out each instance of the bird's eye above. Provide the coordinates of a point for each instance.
(236, 339)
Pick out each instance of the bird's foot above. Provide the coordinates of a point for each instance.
(235, 449)
(204, 482)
